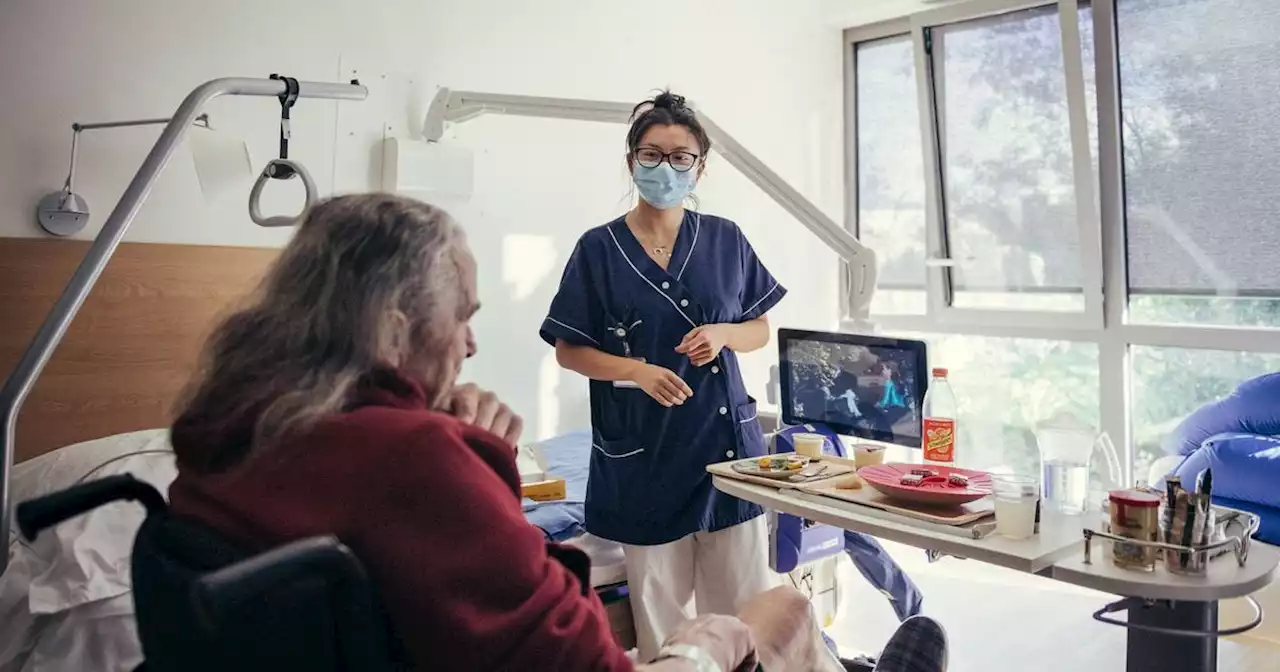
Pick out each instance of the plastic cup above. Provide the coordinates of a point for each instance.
(868, 456)
(809, 445)
(1016, 499)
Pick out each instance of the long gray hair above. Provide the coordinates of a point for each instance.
(357, 290)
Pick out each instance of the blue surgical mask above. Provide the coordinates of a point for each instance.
(664, 187)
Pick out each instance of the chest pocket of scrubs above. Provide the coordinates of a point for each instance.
(625, 407)
(750, 435)
(622, 332)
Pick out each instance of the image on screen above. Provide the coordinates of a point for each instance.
(871, 391)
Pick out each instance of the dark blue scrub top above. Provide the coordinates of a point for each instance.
(648, 482)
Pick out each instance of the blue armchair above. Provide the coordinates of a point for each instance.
(1239, 438)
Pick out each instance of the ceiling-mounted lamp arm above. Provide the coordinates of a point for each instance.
(861, 260)
(458, 106)
(450, 106)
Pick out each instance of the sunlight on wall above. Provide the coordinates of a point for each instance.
(526, 262)
(548, 400)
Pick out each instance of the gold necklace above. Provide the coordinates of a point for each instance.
(663, 250)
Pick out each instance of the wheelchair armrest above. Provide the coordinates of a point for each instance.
(45, 512)
(218, 593)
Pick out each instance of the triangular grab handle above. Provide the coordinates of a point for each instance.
(280, 169)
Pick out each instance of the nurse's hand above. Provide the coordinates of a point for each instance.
(663, 385)
(704, 343)
(483, 409)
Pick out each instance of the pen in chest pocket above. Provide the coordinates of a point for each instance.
(624, 333)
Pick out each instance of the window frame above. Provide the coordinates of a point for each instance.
(1104, 321)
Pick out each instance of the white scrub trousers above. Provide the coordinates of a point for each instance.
(703, 573)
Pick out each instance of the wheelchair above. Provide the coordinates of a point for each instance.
(203, 604)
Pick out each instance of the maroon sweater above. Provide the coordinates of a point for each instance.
(432, 508)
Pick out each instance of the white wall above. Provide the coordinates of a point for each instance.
(851, 13)
(768, 71)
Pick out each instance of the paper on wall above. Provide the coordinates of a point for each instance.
(222, 163)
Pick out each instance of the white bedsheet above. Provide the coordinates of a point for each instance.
(66, 600)
(96, 637)
(607, 564)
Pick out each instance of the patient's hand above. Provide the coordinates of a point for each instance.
(726, 639)
(483, 409)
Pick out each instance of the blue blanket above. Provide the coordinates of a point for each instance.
(568, 457)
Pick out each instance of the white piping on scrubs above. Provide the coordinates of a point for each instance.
(772, 289)
(579, 332)
(697, 226)
(637, 451)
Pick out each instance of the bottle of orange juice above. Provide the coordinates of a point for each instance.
(939, 426)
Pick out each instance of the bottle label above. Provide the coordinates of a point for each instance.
(939, 440)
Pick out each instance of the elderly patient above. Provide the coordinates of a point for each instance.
(329, 405)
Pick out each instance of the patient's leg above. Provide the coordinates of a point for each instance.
(787, 635)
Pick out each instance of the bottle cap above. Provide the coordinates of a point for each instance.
(939, 372)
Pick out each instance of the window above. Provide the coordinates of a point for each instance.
(1199, 128)
(974, 156)
(1012, 226)
(1048, 381)
(890, 168)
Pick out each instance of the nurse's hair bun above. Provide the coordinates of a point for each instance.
(665, 109)
(669, 101)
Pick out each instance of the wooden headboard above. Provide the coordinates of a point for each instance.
(134, 343)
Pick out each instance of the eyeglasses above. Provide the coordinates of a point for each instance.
(680, 162)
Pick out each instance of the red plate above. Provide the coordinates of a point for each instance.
(887, 478)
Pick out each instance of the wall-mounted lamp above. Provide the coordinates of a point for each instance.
(65, 213)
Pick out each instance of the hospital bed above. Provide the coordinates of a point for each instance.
(568, 456)
(65, 601)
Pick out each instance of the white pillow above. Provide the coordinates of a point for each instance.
(86, 558)
(18, 626)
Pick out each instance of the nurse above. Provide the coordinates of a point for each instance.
(654, 308)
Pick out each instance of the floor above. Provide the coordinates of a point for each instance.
(997, 620)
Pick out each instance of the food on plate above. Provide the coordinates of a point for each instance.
(912, 479)
(850, 482)
(959, 480)
(925, 473)
(782, 462)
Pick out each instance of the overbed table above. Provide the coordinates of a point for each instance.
(1176, 602)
